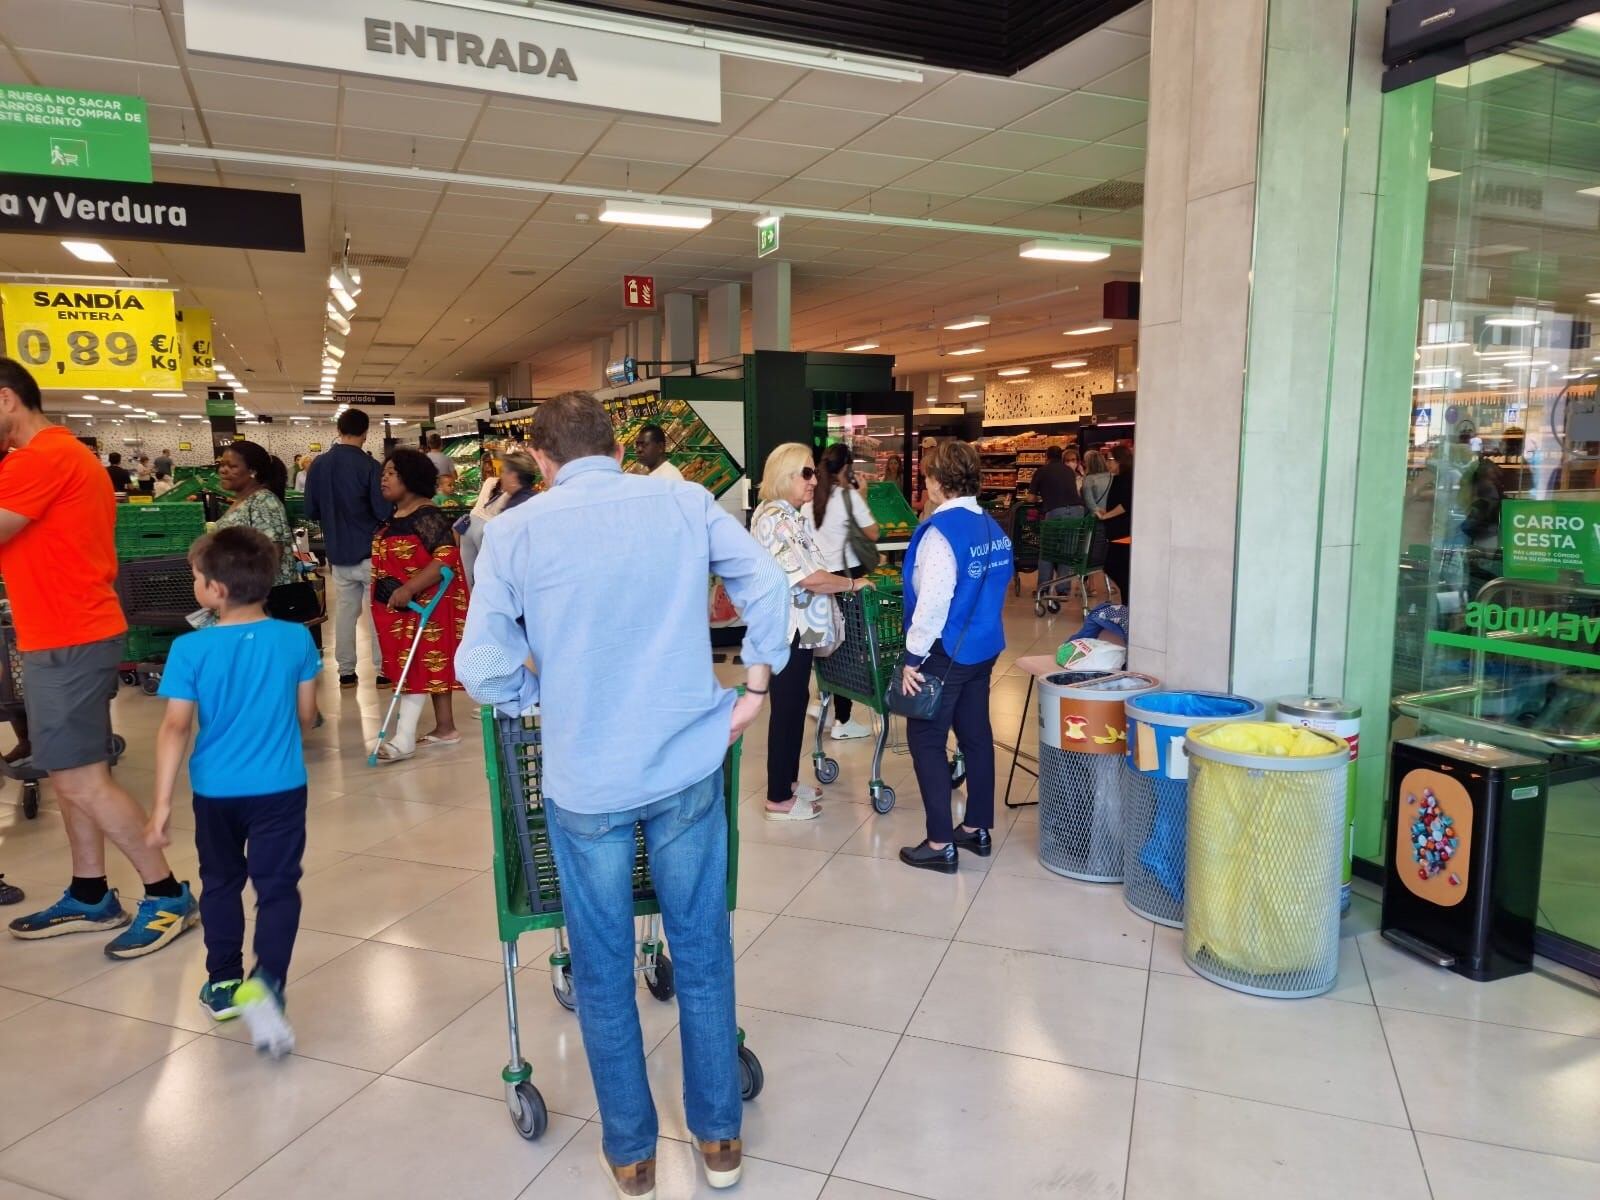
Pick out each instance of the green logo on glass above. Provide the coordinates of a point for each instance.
(81, 135)
(1546, 539)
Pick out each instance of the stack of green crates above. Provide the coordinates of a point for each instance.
(151, 531)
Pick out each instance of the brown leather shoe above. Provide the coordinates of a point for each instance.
(723, 1161)
(636, 1181)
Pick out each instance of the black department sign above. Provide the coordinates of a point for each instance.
(358, 399)
(182, 214)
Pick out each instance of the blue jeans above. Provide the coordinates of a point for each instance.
(687, 838)
(1049, 570)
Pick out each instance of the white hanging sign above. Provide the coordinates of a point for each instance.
(465, 47)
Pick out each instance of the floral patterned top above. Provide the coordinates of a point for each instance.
(783, 533)
(264, 512)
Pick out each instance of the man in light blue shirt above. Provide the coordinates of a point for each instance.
(591, 602)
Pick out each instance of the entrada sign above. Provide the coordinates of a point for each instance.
(179, 213)
(470, 46)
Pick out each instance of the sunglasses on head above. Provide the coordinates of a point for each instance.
(808, 472)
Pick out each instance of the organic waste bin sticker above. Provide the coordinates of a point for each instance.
(1542, 539)
(1433, 837)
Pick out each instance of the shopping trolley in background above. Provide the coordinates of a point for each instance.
(861, 668)
(528, 896)
(1068, 542)
(157, 596)
(1025, 522)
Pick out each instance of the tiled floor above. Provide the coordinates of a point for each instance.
(1003, 1033)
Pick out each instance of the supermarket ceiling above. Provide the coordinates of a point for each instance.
(462, 279)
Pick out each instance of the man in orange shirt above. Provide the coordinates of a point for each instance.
(58, 557)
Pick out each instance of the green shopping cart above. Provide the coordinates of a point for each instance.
(528, 897)
(860, 668)
(1068, 542)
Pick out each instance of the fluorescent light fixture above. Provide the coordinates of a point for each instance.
(859, 348)
(125, 407)
(1064, 251)
(157, 421)
(87, 396)
(1067, 364)
(1013, 371)
(931, 399)
(337, 319)
(79, 417)
(969, 323)
(1087, 329)
(968, 395)
(218, 367)
(967, 350)
(111, 402)
(167, 395)
(1509, 322)
(450, 400)
(344, 285)
(239, 391)
(88, 251)
(959, 378)
(333, 349)
(655, 216)
(190, 417)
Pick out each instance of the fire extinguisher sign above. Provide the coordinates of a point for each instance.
(638, 291)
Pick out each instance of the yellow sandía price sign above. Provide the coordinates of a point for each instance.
(92, 337)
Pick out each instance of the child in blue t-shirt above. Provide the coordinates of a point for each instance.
(253, 681)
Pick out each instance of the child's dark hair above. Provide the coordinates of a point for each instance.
(241, 559)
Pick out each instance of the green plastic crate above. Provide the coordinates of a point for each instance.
(151, 530)
(148, 644)
(894, 516)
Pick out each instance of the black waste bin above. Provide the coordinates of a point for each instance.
(1466, 844)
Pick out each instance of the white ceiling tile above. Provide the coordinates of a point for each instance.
(257, 96)
(1135, 20)
(952, 178)
(1015, 151)
(736, 110)
(1083, 116)
(982, 210)
(921, 139)
(1096, 53)
(1038, 187)
(509, 125)
(655, 144)
(996, 102)
(852, 166)
(808, 124)
(1133, 135)
(398, 113)
(711, 184)
(483, 158)
(600, 171)
(864, 95)
(814, 193)
(751, 78)
(89, 27)
(158, 85)
(750, 154)
(1131, 81)
(1100, 161)
(897, 202)
(237, 132)
(376, 145)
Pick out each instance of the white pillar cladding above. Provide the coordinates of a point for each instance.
(599, 356)
(647, 339)
(769, 303)
(680, 313)
(723, 318)
(1257, 250)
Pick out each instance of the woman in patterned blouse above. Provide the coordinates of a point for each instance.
(257, 481)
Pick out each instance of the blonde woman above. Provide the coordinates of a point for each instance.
(788, 484)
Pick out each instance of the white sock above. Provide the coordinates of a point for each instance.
(407, 716)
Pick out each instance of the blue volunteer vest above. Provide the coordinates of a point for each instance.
(979, 543)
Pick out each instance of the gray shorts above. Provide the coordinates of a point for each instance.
(67, 694)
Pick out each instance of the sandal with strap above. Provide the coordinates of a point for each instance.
(388, 752)
(801, 810)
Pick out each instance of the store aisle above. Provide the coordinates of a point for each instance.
(998, 1033)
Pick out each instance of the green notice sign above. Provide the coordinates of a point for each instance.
(766, 236)
(219, 403)
(1546, 539)
(81, 135)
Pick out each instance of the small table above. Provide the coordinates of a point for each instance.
(1036, 667)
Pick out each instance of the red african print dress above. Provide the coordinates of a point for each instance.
(399, 550)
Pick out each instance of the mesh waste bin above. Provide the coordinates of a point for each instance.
(1266, 831)
(1155, 795)
(1082, 733)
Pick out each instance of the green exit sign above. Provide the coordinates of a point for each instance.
(766, 236)
(81, 135)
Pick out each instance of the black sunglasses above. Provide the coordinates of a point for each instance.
(808, 472)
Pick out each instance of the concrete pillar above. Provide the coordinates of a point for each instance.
(723, 316)
(647, 339)
(769, 304)
(682, 341)
(599, 356)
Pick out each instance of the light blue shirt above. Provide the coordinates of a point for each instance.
(603, 582)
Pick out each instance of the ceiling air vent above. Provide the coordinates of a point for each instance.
(391, 262)
(1114, 196)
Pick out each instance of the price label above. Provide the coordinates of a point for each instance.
(195, 362)
(92, 337)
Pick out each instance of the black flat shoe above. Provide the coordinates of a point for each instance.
(977, 842)
(925, 856)
(347, 681)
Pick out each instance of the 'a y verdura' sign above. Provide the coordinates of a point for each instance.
(465, 47)
(180, 213)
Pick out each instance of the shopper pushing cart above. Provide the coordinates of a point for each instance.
(631, 743)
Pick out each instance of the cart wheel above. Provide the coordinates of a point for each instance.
(1038, 608)
(958, 772)
(532, 1117)
(565, 988)
(751, 1077)
(130, 677)
(827, 770)
(119, 747)
(1054, 606)
(30, 800)
(882, 798)
(150, 683)
(659, 979)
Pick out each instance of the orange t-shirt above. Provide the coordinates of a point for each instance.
(61, 570)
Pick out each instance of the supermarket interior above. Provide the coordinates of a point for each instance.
(1271, 858)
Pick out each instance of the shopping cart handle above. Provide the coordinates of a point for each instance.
(446, 578)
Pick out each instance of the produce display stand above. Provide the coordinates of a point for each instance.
(528, 898)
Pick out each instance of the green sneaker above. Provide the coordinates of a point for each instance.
(261, 1004)
(219, 999)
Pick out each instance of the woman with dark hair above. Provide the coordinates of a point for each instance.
(1117, 520)
(836, 504)
(957, 571)
(257, 481)
(511, 487)
(408, 554)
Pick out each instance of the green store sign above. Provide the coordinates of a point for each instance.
(1548, 539)
(79, 135)
(1503, 628)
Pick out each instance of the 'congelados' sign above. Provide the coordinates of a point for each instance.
(465, 47)
(1544, 539)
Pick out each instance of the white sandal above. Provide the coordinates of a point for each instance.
(388, 752)
(803, 809)
(429, 741)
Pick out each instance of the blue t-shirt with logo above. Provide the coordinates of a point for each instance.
(243, 679)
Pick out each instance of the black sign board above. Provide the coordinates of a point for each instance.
(358, 399)
(179, 213)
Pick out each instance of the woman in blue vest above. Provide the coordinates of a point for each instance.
(956, 574)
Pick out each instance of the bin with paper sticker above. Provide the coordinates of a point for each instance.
(1155, 804)
(1082, 732)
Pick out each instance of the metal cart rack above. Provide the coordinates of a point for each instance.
(1067, 542)
(860, 669)
(157, 596)
(528, 898)
(1025, 522)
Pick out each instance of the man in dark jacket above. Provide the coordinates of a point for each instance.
(342, 495)
(1057, 487)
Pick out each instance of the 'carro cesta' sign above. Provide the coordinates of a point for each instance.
(465, 47)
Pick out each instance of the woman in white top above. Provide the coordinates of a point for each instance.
(788, 483)
(509, 488)
(837, 500)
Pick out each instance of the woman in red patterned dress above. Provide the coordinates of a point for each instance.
(411, 549)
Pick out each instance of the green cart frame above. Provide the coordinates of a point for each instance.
(1068, 543)
(528, 898)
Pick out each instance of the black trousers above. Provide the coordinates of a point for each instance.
(786, 725)
(262, 839)
(1119, 557)
(964, 707)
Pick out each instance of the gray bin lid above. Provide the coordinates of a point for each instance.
(1097, 685)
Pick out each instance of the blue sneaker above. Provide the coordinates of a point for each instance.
(160, 919)
(67, 915)
(219, 1000)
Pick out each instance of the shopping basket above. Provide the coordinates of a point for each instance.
(1068, 543)
(528, 896)
(861, 669)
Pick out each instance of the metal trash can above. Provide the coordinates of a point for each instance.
(1082, 733)
(1261, 913)
(1155, 795)
(1343, 720)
